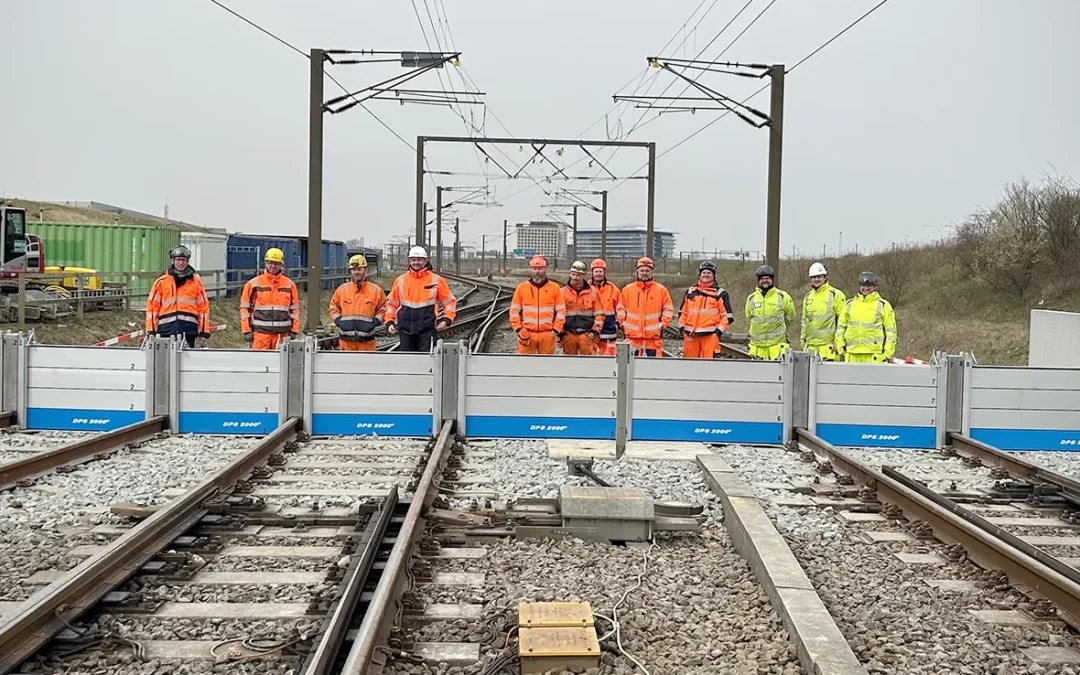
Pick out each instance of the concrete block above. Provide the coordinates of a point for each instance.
(920, 558)
(1052, 655)
(713, 463)
(953, 585)
(757, 541)
(815, 632)
(1001, 616)
(725, 483)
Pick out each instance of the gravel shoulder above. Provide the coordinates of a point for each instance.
(893, 619)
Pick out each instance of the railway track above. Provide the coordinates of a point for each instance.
(1007, 515)
(297, 551)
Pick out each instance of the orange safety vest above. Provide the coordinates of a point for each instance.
(270, 303)
(703, 311)
(411, 305)
(178, 307)
(538, 308)
(584, 313)
(645, 309)
(357, 309)
(607, 294)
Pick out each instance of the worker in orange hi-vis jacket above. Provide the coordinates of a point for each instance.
(645, 310)
(703, 315)
(584, 314)
(177, 304)
(357, 308)
(270, 305)
(608, 295)
(537, 312)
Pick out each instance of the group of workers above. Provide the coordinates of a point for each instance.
(584, 317)
(861, 329)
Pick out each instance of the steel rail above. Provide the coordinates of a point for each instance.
(7, 418)
(1015, 466)
(983, 546)
(376, 623)
(47, 612)
(324, 654)
(98, 447)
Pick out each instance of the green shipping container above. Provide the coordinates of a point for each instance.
(108, 248)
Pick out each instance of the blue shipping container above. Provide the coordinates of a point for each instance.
(334, 260)
(245, 252)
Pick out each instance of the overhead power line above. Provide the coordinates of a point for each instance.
(833, 38)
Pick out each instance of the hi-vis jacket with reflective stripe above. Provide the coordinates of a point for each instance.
(769, 315)
(584, 312)
(178, 306)
(538, 308)
(270, 303)
(607, 294)
(867, 326)
(411, 305)
(702, 310)
(821, 310)
(645, 309)
(356, 309)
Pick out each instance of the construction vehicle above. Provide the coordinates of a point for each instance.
(19, 251)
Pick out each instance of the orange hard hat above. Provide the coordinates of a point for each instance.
(599, 262)
(538, 261)
(645, 261)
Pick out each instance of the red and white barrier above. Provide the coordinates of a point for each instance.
(139, 333)
(911, 361)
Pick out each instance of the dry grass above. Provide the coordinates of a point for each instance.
(76, 214)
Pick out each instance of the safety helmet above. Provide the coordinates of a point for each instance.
(707, 265)
(538, 261)
(868, 278)
(180, 252)
(358, 261)
(646, 261)
(275, 255)
(417, 252)
(599, 262)
(817, 269)
(578, 266)
(766, 271)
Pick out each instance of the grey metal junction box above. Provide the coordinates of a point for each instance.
(617, 513)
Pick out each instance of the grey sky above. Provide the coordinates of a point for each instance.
(907, 122)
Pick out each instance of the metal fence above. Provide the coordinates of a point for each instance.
(56, 295)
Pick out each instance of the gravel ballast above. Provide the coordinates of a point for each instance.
(895, 622)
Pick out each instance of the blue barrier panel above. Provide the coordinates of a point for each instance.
(234, 423)
(228, 392)
(877, 405)
(504, 426)
(84, 388)
(712, 401)
(344, 424)
(364, 394)
(512, 396)
(1017, 408)
(72, 419)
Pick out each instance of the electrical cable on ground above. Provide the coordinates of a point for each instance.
(616, 629)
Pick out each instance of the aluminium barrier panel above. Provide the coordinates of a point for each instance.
(370, 393)
(715, 401)
(1022, 408)
(511, 396)
(81, 388)
(226, 391)
(878, 405)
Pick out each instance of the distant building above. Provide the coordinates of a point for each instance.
(542, 238)
(625, 241)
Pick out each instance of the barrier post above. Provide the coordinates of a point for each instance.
(310, 352)
(446, 389)
(940, 364)
(293, 380)
(623, 393)
(9, 373)
(174, 385)
(797, 393)
(954, 394)
(965, 415)
(23, 380)
(158, 374)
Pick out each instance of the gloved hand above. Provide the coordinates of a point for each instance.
(523, 334)
(292, 334)
(250, 337)
(391, 328)
(200, 343)
(441, 324)
(593, 336)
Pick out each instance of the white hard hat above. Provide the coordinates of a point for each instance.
(417, 252)
(818, 269)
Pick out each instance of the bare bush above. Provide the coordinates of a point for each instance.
(895, 267)
(1004, 245)
(1061, 230)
